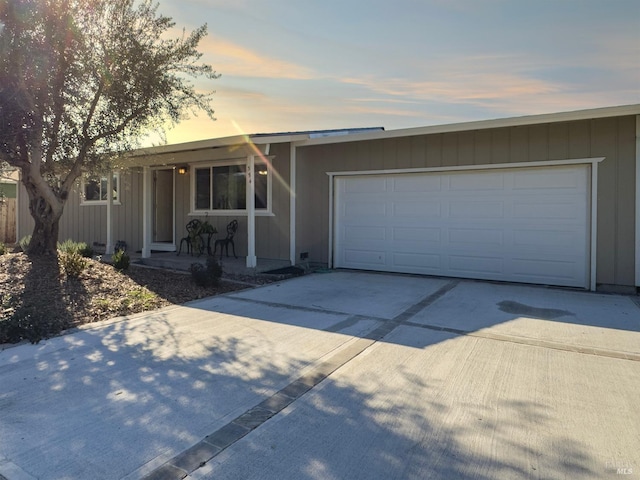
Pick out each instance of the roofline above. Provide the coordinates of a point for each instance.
(307, 139)
(217, 143)
(588, 114)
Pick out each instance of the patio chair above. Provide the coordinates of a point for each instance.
(193, 240)
(232, 228)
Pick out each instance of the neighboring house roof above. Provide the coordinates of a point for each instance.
(9, 176)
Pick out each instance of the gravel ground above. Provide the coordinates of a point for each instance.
(37, 300)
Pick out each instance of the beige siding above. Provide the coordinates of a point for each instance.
(272, 232)
(88, 223)
(613, 138)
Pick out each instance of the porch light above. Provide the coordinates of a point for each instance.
(262, 172)
(183, 170)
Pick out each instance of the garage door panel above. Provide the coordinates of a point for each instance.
(546, 271)
(565, 179)
(548, 210)
(417, 234)
(566, 239)
(472, 182)
(365, 258)
(375, 184)
(413, 209)
(476, 265)
(476, 236)
(476, 209)
(525, 225)
(359, 209)
(364, 233)
(412, 183)
(412, 262)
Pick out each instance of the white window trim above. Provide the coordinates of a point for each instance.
(90, 203)
(263, 212)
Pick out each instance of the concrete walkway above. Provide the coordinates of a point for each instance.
(338, 375)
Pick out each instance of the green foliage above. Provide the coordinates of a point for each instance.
(81, 248)
(121, 260)
(73, 264)
(206, 276)
(83, 81)
(3, 248)
(140, 297)
(24, 242)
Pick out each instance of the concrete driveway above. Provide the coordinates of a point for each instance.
(334, 376)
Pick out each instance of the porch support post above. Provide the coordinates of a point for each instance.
(252, 260)
(146, 212)
(109, 244)
(292, 203)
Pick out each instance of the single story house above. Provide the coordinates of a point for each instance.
(549, 199)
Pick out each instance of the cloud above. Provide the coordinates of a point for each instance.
(509, 84)
(232, 59)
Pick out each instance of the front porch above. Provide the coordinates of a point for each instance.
(230, 265)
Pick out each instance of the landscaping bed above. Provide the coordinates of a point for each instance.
(37, 299)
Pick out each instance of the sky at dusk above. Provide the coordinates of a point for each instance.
(306, 65)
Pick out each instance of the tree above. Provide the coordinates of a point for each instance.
(82, 81)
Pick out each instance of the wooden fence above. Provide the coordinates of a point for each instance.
(8, 220)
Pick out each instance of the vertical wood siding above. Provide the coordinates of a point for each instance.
(8, 220)
(613, 138)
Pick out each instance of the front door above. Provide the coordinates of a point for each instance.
(163, 211)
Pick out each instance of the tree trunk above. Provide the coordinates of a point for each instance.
(44, 239)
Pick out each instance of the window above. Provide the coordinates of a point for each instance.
(95, 190)
(222, 188)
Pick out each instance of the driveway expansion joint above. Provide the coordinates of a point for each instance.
(212, 445)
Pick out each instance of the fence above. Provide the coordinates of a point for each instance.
(8, 220)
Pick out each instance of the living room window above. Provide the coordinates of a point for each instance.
(95, 190)
(221, 189)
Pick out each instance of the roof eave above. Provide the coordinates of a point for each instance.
(483, 124)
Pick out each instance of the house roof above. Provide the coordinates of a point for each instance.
(485, 124)
(257, 138)
(319, 137)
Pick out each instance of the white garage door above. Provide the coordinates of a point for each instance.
(522, 224)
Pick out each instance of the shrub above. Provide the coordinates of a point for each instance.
(73, 264)
(3, 248)
(206, 276)
(121, 260)
(24, 242)
(81, 248)
(85, 250)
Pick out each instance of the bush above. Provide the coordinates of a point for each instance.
(3, 248)
(81, 248)
(121, 260)
(206, 276)
(24, 242)
(73, 264)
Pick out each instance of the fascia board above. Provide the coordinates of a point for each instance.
(481, 125)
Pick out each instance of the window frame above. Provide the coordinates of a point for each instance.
(83, 192)
(193, 211)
